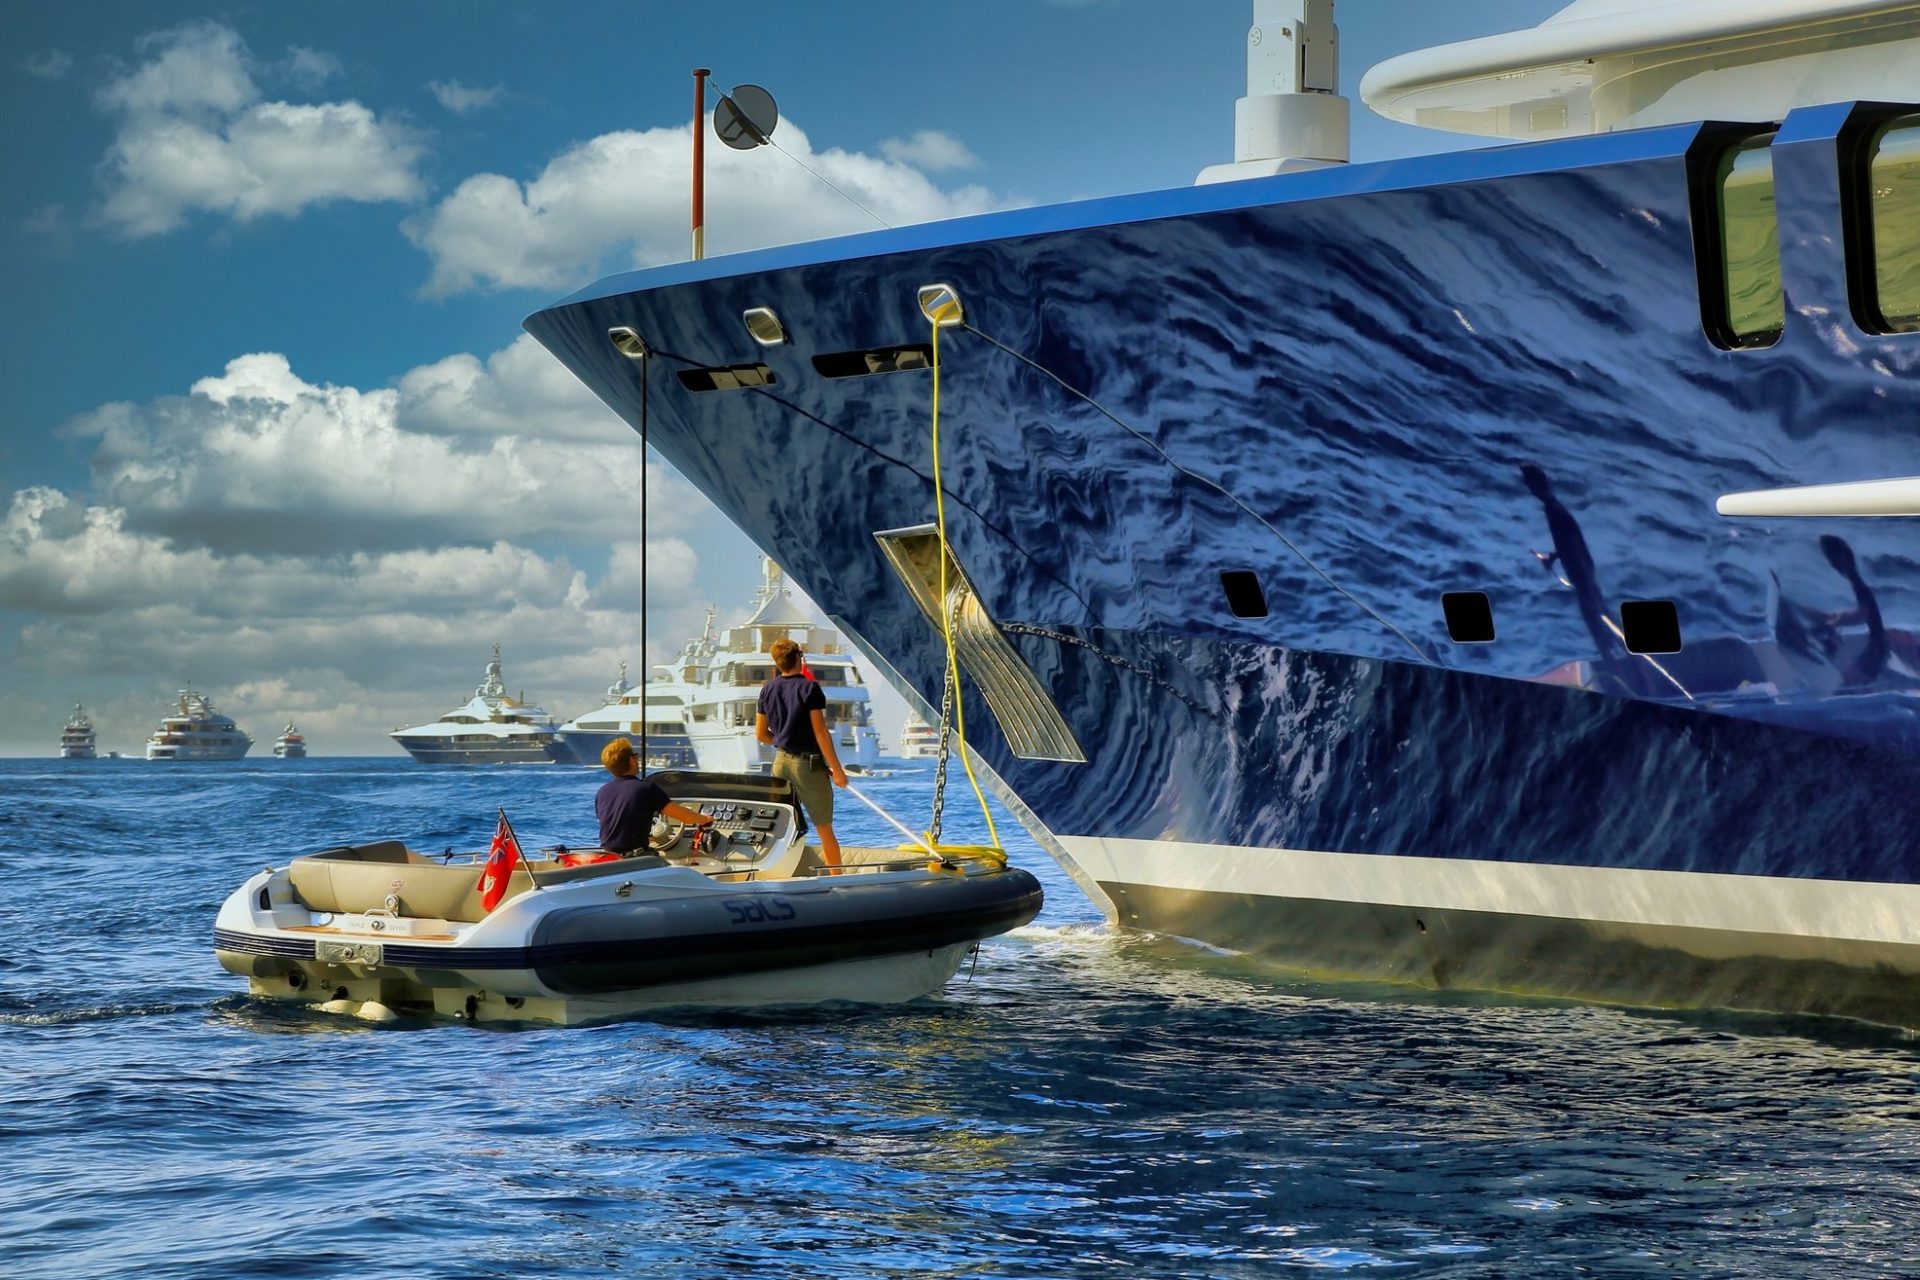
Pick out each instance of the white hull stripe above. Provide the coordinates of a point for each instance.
(1773, 905)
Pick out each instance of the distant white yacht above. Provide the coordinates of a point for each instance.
(76, 740)
(918, 739)
(660, 704)
(291, 745)
(720, 714)
(195, 730)
(491, 728)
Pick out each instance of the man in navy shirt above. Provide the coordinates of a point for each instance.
(793, 720)
(627, 805)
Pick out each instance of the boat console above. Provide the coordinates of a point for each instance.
(754, 817)
(739, 829)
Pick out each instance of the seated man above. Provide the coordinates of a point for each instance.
(628, 804)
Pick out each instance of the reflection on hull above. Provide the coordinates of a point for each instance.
(1611, 962)
(1364, 388)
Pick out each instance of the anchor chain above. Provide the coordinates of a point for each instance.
(946, 741)
(1127, 664)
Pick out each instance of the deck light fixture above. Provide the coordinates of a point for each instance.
(940, 303)
(629, 343)
(764, 326)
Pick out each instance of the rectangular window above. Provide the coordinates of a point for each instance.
(1751, 305)
(727, 377)
(1892, 209)
(861, 364)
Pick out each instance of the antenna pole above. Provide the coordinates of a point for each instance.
(700, 75)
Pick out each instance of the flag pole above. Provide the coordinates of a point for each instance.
(700, 75)
(525, 861)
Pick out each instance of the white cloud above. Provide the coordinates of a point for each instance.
(194, 136)
(50, 65)
(519, 390)
(626, 192)
(68, 559)
(461, 98)
(259, 460)
(195, 68)
(931, 150)
(347, 645)
(669, 564)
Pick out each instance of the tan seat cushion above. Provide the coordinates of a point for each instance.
(329, 882)
(360, 877)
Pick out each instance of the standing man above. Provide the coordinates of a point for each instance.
(627, 805)
(793, 720)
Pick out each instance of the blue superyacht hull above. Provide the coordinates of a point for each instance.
(1361, 389)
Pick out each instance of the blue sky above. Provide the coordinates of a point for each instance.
(270, 423)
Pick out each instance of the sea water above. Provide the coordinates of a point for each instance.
(1085, 1102)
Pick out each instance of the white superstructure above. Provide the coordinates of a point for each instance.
(76, 740)
(195, 730)
(659, 706)
(1292, 116)
(1601, 65)
(492, 728)
(290, 745)
(918, 739)
(720, 715)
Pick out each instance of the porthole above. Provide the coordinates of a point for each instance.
(764, 327)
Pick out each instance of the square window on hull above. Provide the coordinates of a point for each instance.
(1244, 595)
(1469, 616)
(1651, 626)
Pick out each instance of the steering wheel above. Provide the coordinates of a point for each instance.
(665, 834)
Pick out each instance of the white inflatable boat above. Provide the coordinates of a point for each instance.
(750, 918)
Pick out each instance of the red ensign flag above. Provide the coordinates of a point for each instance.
(501, 858)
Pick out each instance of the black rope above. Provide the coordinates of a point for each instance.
(644, 363)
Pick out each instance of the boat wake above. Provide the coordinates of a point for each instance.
(36, 1017)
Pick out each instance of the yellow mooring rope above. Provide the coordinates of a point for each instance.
(993, 851)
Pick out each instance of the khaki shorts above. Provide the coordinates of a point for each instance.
(811, 782)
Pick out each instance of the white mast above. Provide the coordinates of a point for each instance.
(1293, 116)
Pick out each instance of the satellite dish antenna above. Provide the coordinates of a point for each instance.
(745, 118)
